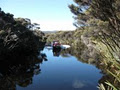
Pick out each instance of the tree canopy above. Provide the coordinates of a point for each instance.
(100, 20)
(19, 36)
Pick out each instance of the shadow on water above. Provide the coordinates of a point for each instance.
(20, 71)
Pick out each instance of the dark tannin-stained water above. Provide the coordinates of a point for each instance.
(63, 72)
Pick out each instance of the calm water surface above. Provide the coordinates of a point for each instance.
(64, 73)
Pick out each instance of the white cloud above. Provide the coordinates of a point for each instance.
(55, 25)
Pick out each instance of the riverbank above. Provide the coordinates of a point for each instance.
(89, 50)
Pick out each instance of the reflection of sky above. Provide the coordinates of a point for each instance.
(65, 73)
(81, 84)
(78, 84)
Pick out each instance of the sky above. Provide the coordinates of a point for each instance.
(50, 14)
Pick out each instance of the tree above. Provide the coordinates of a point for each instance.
(101, 21)
(106, 15)
(16, 38)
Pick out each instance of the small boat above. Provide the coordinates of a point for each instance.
(56, 44)
(48, 47)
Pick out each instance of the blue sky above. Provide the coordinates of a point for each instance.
(50, 14)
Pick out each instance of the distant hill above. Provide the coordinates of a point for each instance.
(47, 32)
(54, 31)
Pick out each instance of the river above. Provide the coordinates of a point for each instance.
(63, 72)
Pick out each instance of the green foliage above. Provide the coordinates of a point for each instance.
(101, 22)
(65, 37)
(19, 36)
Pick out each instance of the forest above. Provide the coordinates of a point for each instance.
(97, 36)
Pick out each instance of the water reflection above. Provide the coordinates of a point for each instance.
(94, 58)
(63, 71)
(78, 84)
(66, 73)
(19, 72)
(56, 51)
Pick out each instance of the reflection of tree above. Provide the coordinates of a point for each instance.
(64, 53)
(90, 56)
(83, 54)
(56, 51)
(19, 72)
